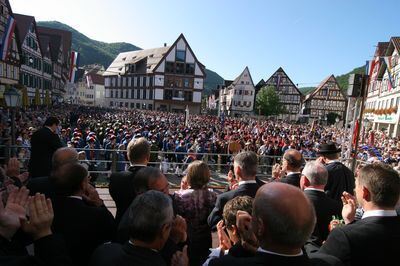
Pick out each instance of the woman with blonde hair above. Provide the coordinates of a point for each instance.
(194, 202)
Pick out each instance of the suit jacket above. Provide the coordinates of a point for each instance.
(122, 190)
(83, 227)
(43, 144)
(127, 254)
(292, 179)
(41, 185)
(243, 190)
(325, 208)
(340, 178)
(369, 241)
(261, 258)
(49, 250)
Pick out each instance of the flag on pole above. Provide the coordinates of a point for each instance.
(388, 62)
(7, 37)
(74, 66)
(355, 134)
(89, 81)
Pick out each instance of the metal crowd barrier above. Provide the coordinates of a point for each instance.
(102, 168)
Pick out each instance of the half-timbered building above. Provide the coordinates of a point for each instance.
(168, 78)
(383, 98)
(31, 75)
(325, 99)
(289, 95)
(10, 48)
(237, 98)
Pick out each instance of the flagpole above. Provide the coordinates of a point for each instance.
(187, 116)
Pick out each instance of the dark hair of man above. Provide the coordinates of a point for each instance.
(147, 214)
(291, 158)
(68, 178)
(247, 162)
(144, 177)
(198, 174)
(51, 121)
(241, 203)
(383, 182)
(138, 150)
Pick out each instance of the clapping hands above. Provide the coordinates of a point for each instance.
(224, 241)
(248, 238)
(178, 231)
(13, 214)
(349, 207)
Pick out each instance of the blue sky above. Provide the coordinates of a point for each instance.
(310, 39)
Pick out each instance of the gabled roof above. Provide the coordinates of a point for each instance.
(393, 44)
(396, 43)
(246, 69)
(24, 23)
(381, 49)
(44, 43)
(64, 35)
(321, 85)
(96, 78)
(280, 69)
(260, 84)
(151, 56)
(181, 36)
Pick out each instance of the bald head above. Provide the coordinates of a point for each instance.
(294, 160)
(284, 216)
(64, 155)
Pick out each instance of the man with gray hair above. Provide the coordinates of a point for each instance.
(313, 180)
(150, 221)
(245, 168)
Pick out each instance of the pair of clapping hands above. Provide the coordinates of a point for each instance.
(278, 171)
(33, 214)
(248, 238)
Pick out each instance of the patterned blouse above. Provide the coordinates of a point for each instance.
(195, 206)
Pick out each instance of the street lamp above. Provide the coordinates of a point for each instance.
(337, 119)
(12, 98)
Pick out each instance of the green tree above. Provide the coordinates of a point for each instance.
(267, 102)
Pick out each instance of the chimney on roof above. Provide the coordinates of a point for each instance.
(165, 44)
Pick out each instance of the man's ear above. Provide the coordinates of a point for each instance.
(366, 194)
(260, 230)
(84, 183)
(304, 182)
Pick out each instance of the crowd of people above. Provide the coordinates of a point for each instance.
(102, 136)
(285, 221)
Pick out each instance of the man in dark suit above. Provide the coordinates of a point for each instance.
(340, 177)
(80, 216)
(44, 143)
(245, 168)
(291, 166)
(282, 220)
(44, 184)
(312, 182)
(150, 220)
(121, 184)
(374, 239)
